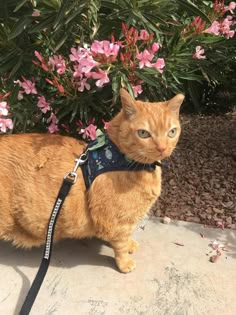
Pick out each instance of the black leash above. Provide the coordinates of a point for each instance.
(67, 183)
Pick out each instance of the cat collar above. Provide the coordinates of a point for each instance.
(104, 156)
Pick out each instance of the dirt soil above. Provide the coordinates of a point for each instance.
(199, 183)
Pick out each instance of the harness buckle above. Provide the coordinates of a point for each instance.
(72, 176)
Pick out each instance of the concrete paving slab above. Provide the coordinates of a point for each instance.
(169, 279)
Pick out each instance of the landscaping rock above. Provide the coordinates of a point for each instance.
(199, 184)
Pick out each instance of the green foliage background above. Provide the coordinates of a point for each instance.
(66, 23)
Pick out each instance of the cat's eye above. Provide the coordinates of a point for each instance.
(172, 133)
(144, 134)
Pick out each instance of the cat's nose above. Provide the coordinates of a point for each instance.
(161, 149)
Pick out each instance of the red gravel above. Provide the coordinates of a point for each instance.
(200, 182)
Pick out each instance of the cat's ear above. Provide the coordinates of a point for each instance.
(175, 103)
(128, 103)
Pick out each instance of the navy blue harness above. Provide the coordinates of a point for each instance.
(104, 156)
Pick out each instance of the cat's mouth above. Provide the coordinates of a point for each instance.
(149, 157)
(162, 155)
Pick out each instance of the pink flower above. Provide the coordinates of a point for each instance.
(39, 56)
(36, 13)
(87, 64)
(20, 95)
(43, 104)
(137, 89)
(105, 48)
(231, 7)
(89, 132)
(159, 65)
(59, 63)
(28, 86)
(83, 85)
(155, 48)
(78, 72)
(213, 29)
(101, 77)
(143, 35)
(5, 123)
(3, 109)
(225, 26)
(53, 128)
(42, 60)
(52, 119)
(77, 55)
(199, 53)
(56, 84)
(144, 59)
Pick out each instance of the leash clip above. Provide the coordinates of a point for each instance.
(72, 176)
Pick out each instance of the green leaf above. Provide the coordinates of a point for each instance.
(73, 14)
(147, 78)
(20, 5)
(22, 25)
(16, 67)
(74, 112)
(62, 13)
(42, 25)
(110, 5)
(191, 7)
(191, 77)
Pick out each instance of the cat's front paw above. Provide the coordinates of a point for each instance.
(126, 266)
(133, 246)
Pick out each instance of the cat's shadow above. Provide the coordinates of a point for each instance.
(67, 254)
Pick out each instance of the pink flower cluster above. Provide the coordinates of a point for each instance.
(220, 9)
(134, 57)
(90, 67)
(30, 88)
(87, 63)
(146, 57)
(5, 122)
(105, 48)
(57, 63)
(219, 25)
(94, 64)
(222, 27)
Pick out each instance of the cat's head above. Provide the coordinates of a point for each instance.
(144, 131)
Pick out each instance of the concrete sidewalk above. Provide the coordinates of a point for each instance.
(169, 279)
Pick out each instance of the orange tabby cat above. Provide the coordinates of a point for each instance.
(33, 165)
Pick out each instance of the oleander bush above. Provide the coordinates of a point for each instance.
(62, 62)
